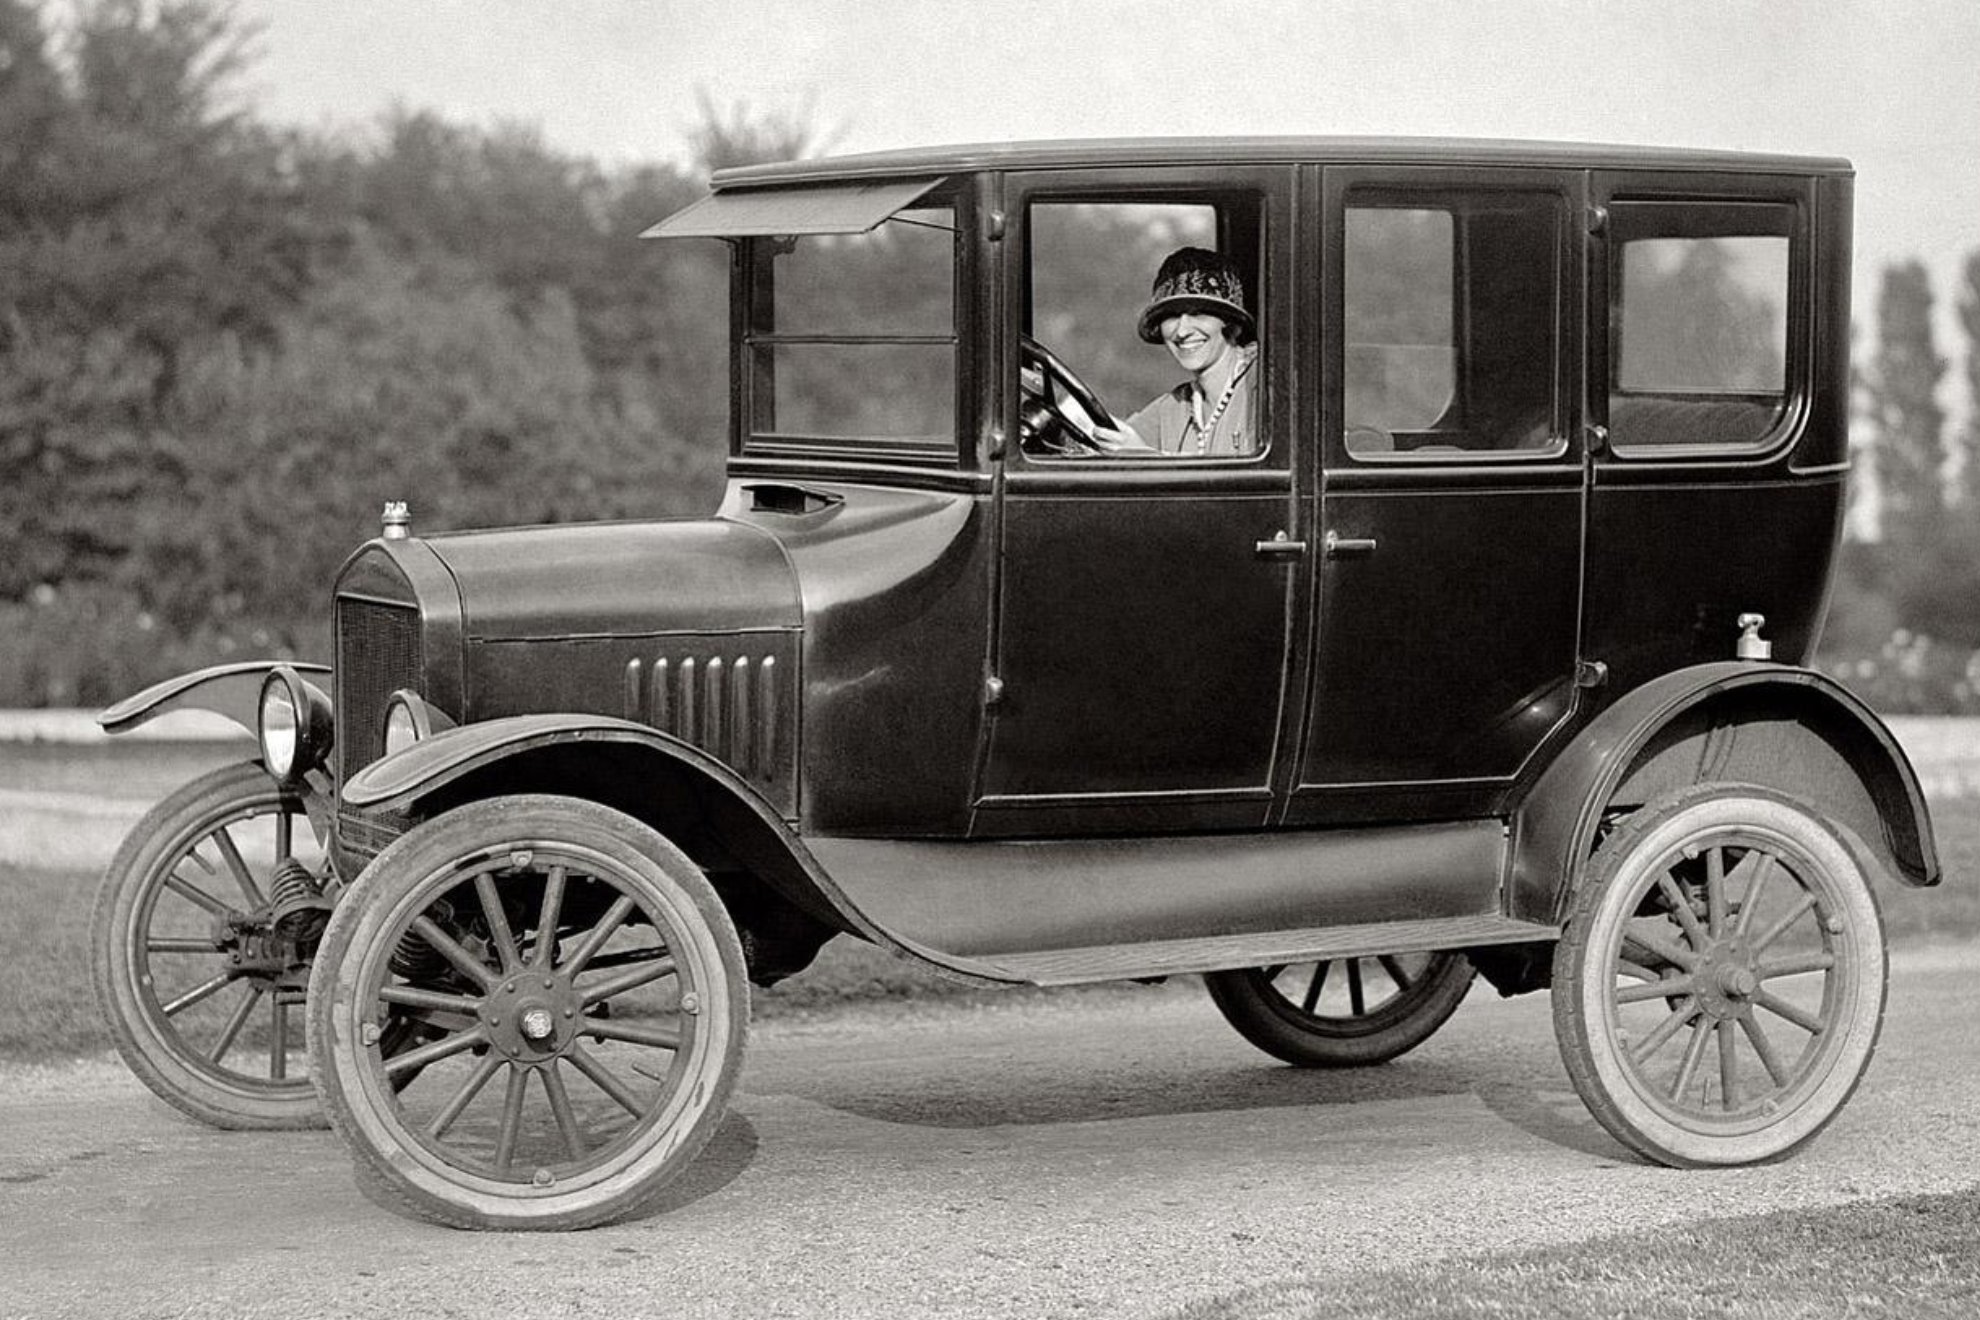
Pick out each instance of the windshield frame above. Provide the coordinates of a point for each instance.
(753, 330)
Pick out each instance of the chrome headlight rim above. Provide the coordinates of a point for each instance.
(293, 725)
(409, 719)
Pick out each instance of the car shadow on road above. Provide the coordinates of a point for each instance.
(970, 1099)
(730, 1151)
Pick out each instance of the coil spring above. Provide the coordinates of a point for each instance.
(292, 883)
(415, 959)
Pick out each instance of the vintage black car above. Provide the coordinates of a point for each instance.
(1487, 650)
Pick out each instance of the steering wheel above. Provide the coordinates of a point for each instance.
(1043, 420)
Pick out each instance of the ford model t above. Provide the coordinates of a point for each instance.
(1468, 636)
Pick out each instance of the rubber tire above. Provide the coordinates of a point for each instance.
(218, 1097)
(1283, 1030)
(1584, 977)
(410, 1179)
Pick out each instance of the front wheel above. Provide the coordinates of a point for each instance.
(1346, 1012)
(199, 982)
(527, 1013)
(1720, 986)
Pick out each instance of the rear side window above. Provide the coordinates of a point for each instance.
(1698, 325)
(1450, 324)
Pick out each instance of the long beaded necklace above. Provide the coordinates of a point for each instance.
(1205, 429)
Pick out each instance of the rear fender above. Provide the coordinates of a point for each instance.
(232, 690)
(1787, 728)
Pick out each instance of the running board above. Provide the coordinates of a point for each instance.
(1114, 962)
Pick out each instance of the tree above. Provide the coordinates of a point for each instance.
(1903, 382)
(1968, 445)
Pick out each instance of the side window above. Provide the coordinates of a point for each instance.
(1102, 278)
(1698, 325)
(1450, 325)
(834, 313)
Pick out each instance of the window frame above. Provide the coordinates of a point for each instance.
(753, 389)
(1263, 191)
(1649, 213)
(1348, 187)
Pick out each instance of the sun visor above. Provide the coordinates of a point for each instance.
(851, 208)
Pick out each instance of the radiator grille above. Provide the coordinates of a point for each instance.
(378, 652)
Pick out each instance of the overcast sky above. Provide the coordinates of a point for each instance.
(1892, 84)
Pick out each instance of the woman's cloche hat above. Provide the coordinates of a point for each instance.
(1194, 279)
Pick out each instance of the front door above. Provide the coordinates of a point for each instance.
(1453, 490)
(1146, 601)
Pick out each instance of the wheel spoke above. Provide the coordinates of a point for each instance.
(607, 926)
(1395, 970)
(602, 1078)
(463, 1097)
(546, 918)
(1728, 1065)
(1816, 961)
(1676, 987)
(434, 1051)
(1357, 1005)
(445, 944)
(278, 1039)
(1715, 891)
(1782, 1008)
(204, 990)
(1694, 1053)
(191, 892)
(1675, 955)
(161, 944)
(1625, 967)
(630, 979)
(512, 1112)
(560, 1106)
(238, 865)
(1683, 1013)
(666, 1038)
(498, 923)
(1788, 918)
(1312, 999)
(1763, 871)
(1763, 1047)
(1681, 909)
(235, 1022)
(412, 996)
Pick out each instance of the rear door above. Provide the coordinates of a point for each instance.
(1451, 510)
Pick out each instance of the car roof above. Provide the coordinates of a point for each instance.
(1102, 152)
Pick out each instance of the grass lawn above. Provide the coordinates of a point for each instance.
(44, 951)
(1910, 1257)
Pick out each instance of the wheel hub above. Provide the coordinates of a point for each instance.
(532, 1016)
(1728, 977)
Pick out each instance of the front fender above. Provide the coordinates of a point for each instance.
(548, 754)
(232, 690)
(1789, 728)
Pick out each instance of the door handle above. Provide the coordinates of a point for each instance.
(1280, 546)
(1337, 546)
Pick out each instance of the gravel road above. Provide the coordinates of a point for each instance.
(1102, 1155)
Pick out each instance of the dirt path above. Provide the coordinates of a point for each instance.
(1109, 1157)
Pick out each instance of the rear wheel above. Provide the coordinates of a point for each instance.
(527, 1013)
(1344, 1012)
(201, 988)
(1719, 989)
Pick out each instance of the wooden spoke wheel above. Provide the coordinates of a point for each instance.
(201, 987)
(527, 1013)
(1344, 1012)
(1720, 985)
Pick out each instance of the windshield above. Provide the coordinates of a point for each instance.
(851, 339)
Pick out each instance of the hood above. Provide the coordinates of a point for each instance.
(619, 579)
